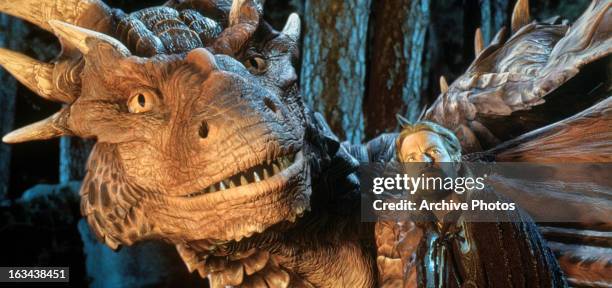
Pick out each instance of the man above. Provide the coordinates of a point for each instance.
(457, 250)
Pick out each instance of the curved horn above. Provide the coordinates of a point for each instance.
(91, 14)
(60, 81)
(83, 39)
(243, 21)
(520, 15)
(48, 128)
(293, 27)
(40, 76)
(36, 75)
(443, 85)
(478, 42)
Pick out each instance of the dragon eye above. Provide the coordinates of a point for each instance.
(142, 101)
(256, 65)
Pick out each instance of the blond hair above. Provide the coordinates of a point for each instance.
(452, 143)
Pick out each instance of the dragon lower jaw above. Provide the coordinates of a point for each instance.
(238, 212)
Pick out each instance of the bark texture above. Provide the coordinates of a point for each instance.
(493, 16)
(396, 74)
(334, 62)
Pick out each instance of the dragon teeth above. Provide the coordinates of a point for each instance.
(230, 183)
(260, 172)
(243, 180)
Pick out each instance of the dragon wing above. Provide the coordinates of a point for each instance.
(541, 74)
(544, 95)
(583, 247)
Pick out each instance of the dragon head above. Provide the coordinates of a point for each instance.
(202, 141)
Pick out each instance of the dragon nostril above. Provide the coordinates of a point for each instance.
(270, 104)
(203, 131)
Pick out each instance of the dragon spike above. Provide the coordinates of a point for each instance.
(243, 21)
(403, 122)
(478, 42)
(443, 85)
(520, 15)
(84, 39)
(244, 10)
(234, 14)
(36, 75)
(92, 14)
(48, 128)
(500, 37)
(293, 27)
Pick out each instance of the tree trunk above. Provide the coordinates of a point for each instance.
(493, 16)
(10, 38)
(450, 45)
(333, 62)
(396, 72)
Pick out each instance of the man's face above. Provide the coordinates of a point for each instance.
(428, 148)
(424, 147)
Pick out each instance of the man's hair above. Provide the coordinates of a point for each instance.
(450, 140)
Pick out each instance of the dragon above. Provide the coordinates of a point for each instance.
(203, 139)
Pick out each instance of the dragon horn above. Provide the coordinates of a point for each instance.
(60, 81)
(84, 40)
(51, 127)
(478, 42)
(443, 85)
(92, 14)
(243, 21)
(520, 15)
(244, 11)
(36, 75)
(39, 76)
(293, 27)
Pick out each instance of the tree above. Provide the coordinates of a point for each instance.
(334, 62)
(396, 72)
